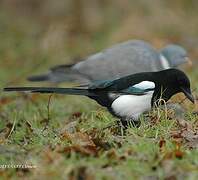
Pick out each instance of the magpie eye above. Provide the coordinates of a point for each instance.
(183, 82)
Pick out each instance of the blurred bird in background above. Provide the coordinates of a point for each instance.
(122, 59)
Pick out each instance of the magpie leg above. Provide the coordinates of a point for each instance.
(121, 129)
(126, 122)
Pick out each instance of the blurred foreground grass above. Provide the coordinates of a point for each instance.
(74, 138)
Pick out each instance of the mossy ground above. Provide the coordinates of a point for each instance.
(72, 137)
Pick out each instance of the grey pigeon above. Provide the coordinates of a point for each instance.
(122, 59)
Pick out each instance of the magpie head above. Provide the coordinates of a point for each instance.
(174, 81)
(175, 55)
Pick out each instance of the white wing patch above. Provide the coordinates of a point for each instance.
(164, 62)
(145, 85)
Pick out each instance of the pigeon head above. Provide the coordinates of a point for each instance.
(171, 82)
(175, 55)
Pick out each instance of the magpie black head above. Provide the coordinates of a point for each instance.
(172, 81)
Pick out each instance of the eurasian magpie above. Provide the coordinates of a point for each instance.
(127, 97)
(117, 61)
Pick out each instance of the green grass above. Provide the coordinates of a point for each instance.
(75, 138)
(96, 148)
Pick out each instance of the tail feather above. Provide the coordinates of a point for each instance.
(71, 91)
(56, 74)
(60, 73)
(43, 77)
(61, 67)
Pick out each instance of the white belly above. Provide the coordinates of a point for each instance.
(131, 106)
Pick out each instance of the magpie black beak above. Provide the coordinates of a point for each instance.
(188, 94)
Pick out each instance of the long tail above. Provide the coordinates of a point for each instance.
(71, 91)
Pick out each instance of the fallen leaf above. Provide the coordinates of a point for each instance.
(112, 154)
(186, 133)
(80, 173)
(162, 143)
(80, 143)
(79, 138)
(83, 150)
(69, 128)
(51, 156)
(6, 100)
(179, 154)
(76, 114)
